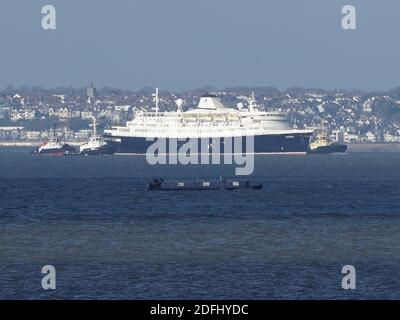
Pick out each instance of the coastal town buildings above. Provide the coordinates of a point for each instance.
(349, 117)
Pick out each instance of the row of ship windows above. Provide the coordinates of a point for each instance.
(205, 124)
(197, 131)
(215, 125)
(163, 118)
(199, 122)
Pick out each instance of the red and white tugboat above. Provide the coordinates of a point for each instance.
(54, 147)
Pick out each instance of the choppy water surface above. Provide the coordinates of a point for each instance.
(108, 237)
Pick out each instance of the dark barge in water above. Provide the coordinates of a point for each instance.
(211, 184)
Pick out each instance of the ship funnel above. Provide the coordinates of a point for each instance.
(210, 102)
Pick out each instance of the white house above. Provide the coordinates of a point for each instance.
(370, 136)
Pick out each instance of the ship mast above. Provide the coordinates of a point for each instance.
(94, 126)
(54, 133)
(252, 102)
(156, 101)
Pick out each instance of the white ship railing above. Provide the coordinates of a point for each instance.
(193, 113)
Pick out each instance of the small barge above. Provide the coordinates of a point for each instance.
(211, 184)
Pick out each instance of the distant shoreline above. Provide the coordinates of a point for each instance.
(373, 147)
(29, 143)
(19, 144)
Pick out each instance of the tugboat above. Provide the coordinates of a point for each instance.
(96, 144)
(321, 144)
(212, 184)
(54, 147)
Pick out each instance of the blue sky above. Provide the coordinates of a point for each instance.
(185, 44)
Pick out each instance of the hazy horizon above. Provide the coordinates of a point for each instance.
(206, 88)
(183, 45)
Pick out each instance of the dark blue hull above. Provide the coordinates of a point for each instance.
(335, 148)
(279, 143)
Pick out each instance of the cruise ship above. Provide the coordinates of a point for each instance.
(209, 120)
